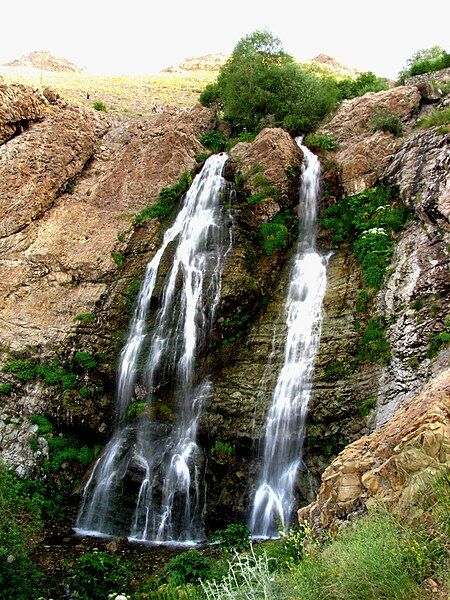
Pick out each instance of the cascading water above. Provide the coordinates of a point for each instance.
(285, 427)
(161, 462)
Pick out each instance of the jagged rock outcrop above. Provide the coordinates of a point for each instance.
(69, 188)
(363, 154)
(389, 466)
(19, 105)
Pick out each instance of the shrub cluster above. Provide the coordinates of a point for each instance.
(425, 61)
(367, 220)
(385, 120)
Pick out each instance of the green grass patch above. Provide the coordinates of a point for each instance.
(222, 448)
(216, 141)
(98, 105)
(85, 317)
(320, 142)
(118, 258)
(437, 118)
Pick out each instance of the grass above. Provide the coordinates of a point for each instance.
(134, 96)
(437, 118)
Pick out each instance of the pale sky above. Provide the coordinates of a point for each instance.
(142, 37)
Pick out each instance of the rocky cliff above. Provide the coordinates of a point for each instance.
(73, 254)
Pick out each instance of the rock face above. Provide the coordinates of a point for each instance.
(391, 465)
(19, 105)
(69, 187)
(362, 154)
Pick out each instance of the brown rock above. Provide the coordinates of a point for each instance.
(272, 157)
(19, 105)
(388, 464)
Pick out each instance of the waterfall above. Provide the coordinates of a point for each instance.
(273, 501)
(156, 463)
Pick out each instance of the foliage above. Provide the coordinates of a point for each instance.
(86, 360)
(439, 340)
(135, 410)
(320, 142)
(200, 158)
(188, 567)
(215, 141)
(222, 448)
(20, 524)
(274, 235)
(210, 95)
(366, 406)
(5, 388)
(261, 84)
(362, 300)
(367, 220)
(365, 82)
(166, 201)
(373, 345)
(437, 118)
(425, 61)
(249, 578)
(118, 258)
(235, 537)
(98, 105)
(96, 574)
(386, 120)
(85, 317)
(26, 369)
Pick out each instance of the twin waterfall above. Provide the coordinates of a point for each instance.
(147, 482)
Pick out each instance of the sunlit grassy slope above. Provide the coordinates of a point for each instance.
(123, 94)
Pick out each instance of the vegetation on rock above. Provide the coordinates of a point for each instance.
(425, 61)
(166, 201)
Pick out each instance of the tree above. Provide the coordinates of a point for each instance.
(262, 84)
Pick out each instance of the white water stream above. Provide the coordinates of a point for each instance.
(163, 465)
(273, 501)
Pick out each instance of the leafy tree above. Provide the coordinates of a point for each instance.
(425, 61)
(261, 84)
(365, 82)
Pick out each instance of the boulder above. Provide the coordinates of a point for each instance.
(19, 105)
(389, 466)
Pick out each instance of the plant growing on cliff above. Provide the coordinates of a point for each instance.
(320, 142)
(367, 220)
(166, 201)
(373, 345)
(365, 82)
(437, 118)
(386, 120)
(261, 84)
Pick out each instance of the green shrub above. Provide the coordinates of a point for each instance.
(188, 567)
(85, 317)
(135, 410)
(118, 258)
(366, 406)
(86, 360)
(385, 120)
(5, 388)
(222, 448)
(97, 574)
(437, 342)
(200, 158)
(166, 201)
(425, 61)
(365, 82)
(215, 141)
(210, 95)
(437, 118)
(98, 105)
(20, 526)
(373, 345)
(320, 142)
(273, 236)
(234, 537)
(367, 220)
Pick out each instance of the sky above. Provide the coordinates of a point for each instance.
(143, 37)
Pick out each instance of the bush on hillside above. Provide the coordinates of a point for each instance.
(262, 85)
(385, 120)
(365, 82)
(425, 61)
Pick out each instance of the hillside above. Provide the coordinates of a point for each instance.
(46, 61)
